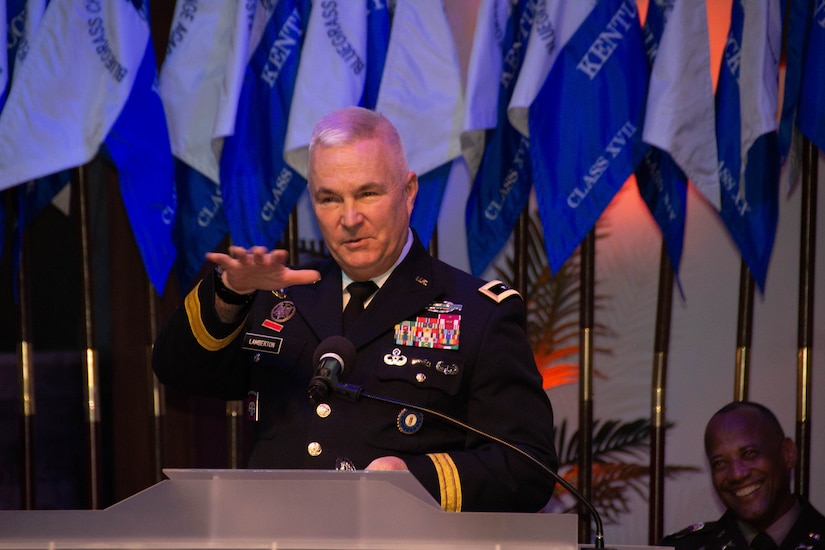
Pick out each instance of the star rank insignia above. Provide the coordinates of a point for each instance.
(498, 291)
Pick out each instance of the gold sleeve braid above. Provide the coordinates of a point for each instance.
(192, 305)
(448, 481)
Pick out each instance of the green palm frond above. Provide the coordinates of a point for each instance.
(552, 300)
(612, 480)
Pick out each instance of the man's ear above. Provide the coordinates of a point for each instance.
(411, 188)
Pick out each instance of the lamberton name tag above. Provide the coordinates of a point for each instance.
(262, 343)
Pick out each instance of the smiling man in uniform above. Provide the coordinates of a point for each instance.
(751, 462)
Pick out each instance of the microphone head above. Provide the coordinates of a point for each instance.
(337, 345)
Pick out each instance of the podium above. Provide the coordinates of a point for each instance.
(283, 510)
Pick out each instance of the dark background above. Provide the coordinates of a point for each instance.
(133, 444)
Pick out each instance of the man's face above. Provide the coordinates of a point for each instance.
(750, 466)
(362, 206)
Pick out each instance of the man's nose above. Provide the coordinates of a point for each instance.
(351, 215)
(738, 469)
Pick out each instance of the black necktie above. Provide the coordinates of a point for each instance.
(359, 292)
(763, 541)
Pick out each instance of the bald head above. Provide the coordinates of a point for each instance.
(750, 463)
(760, 415)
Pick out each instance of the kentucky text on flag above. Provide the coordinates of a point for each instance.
(585, 124)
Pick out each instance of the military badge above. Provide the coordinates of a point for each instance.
(498, 291)
(439, 332)
(395, 359)
(444, 307)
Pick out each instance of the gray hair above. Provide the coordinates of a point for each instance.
(353, 124)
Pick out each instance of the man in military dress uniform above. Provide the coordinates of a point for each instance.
(429, 336)
(751, 462)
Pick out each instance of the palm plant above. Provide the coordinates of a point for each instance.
(552, 302)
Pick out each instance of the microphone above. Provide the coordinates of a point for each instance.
(331, 356)
(356, 392)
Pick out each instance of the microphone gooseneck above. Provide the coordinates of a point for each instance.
(336, 352)
(357, 392)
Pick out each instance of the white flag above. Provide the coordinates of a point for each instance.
(331, 74)
(421, 87)
(552, 28)
(192, 77)
(86, 54)
(758, 72)
(680, 115)
(237, 58)
(483, 77)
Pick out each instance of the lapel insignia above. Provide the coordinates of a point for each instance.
(280, 293)
(422, 281)
(444, 307)
(429, 332)
(395, 358)
(498, 291)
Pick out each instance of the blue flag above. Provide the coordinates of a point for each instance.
(502, 184)
(378, 38)
(200, 224)
(662, 184)
(796, 23)
(200, 72)
(421, 94)
(138, 143)
(746, 133)
(586, 125)
(811, 115)
(259, 189)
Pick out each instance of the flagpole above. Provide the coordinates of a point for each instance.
(90, 364)
(744, 334)
(25, 358)
(658, 425)
(586, 308)
(807, 266)
(157, 398)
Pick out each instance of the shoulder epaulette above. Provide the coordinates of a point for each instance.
(497, 291)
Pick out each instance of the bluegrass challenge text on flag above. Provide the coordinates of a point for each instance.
(336, 39)
(585, 124)
(749, 157)
(99, 56)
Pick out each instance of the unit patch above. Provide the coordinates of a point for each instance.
(429, 332)
(409, 421)
(252, 405)
(498, 291)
